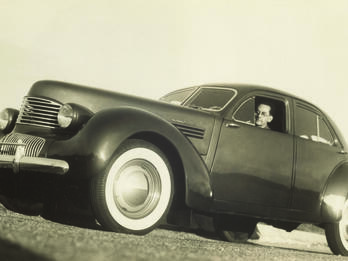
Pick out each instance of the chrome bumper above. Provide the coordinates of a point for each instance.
(35, 164)
(23, 162)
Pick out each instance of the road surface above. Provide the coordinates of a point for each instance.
(34, 238)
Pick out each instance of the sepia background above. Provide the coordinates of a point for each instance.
(151, 47)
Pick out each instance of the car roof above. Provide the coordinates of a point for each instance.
(246, 88)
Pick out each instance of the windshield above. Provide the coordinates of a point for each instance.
(211, 98)
(179, 96)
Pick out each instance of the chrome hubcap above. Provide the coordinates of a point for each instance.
(137, 188)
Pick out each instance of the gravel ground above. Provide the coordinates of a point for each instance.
(34, 238)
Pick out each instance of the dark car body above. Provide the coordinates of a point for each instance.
(222, 164)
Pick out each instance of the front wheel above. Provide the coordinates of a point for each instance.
(135, 192)
(337, 234)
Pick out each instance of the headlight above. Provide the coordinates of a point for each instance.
(8, 118)
(65, 116)
(73, 116)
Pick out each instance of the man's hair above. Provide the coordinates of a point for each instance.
(265, 101)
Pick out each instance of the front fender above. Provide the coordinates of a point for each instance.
(92, 148)
(335, 194)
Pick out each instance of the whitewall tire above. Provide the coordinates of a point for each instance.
(337, 234)
(134, 194)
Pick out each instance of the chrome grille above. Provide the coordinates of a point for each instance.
(33, 144)
(39, 112)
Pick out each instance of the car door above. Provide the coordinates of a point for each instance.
(317, 156)
(254, 165)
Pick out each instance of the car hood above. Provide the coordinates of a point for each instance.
(196, 125)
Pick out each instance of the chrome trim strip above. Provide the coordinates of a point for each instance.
(12, 144)
(44, 165)
(39, 125)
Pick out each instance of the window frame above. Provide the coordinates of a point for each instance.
(240, 106)
(272, 96)
(318, 116)
(196, 92)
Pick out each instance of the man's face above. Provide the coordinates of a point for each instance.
(263, 116)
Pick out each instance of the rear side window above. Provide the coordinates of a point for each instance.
(310, 125)
(324, 131)
(306, 123)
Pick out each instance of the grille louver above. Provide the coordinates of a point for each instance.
(189, 131)
(33, 144)
(39, 112)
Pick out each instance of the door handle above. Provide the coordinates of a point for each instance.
(343, 152)
(232, 125)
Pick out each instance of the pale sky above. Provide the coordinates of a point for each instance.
(151, 47)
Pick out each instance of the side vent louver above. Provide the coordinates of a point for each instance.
(189, 131)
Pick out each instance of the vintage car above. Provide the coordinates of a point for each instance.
(195, 158)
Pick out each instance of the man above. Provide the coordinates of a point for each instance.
(263, 116)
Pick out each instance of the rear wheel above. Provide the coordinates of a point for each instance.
(337, 234)
(135, 192)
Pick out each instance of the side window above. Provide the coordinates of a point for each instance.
(309, 125)
(306, 123)
(246, 113)
(324, 132)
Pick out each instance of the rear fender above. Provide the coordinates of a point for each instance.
(335, 194)
(94, 146)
